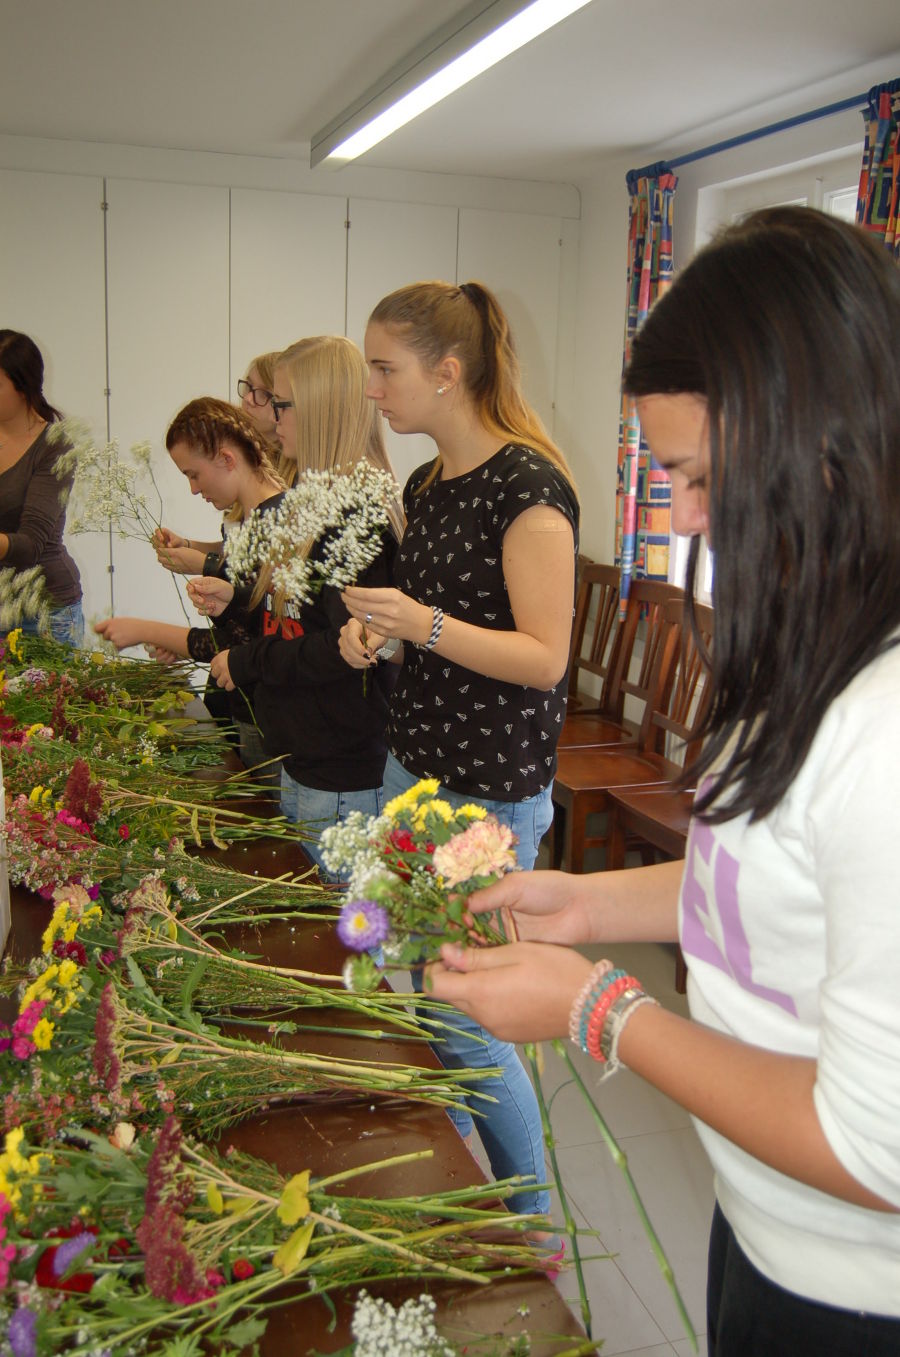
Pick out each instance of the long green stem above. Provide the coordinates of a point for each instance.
(531, 1052)
(621, 1160)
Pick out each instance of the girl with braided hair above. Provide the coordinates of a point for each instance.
(226, 460)
(483, 604)
(187, 555)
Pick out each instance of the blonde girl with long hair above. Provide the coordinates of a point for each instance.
(483, 602)
(311, 706)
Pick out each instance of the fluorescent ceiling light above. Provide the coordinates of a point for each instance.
(459, 58)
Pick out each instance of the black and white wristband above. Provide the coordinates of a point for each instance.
(437, 626)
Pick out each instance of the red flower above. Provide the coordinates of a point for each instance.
(124, 832)
(242, 1268)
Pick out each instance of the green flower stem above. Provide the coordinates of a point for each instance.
(531, 1052)
(621, 1160)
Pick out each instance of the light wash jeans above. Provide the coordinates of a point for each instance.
(510, 1129)
(66, 625)
(315, 807)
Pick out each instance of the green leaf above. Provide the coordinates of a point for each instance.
(240, 1336)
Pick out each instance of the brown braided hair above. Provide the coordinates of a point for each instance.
(207, 424)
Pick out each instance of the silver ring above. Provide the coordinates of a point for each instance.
(368, 617)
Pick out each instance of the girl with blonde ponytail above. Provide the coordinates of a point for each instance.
(483, 603)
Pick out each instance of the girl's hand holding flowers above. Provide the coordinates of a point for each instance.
(489, 983)
(388, 612)
(121, 632)
(210, 595)
(218, 669)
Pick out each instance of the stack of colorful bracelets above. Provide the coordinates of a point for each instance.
(601, 1009)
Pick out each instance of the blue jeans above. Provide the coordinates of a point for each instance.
(315, 807)
(66, 625)
(510, 1129)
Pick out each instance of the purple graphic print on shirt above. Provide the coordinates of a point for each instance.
(731, 952)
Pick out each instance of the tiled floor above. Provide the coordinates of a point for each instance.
(632, 1308)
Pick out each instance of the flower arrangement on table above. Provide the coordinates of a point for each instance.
(149, 1242)
(410, 871)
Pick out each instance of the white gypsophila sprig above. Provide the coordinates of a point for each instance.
(23, 596)
(405, 1331)
(345, 513)
(346, 847)
(109, 487)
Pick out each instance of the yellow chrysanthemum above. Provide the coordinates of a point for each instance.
(42, 1035)
(37, 987)
(472, 811)
(67, 973)
(56, 923)
(439, 810)
(426, 786)
(14, 642)
(12, 1155)
(39, 796)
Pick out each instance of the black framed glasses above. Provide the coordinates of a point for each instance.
(278, 406)
(257, 394)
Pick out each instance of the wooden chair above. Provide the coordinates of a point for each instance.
(586, 776)
(607, 724)
(593, 629)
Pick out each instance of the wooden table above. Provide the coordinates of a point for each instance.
(326, 1139)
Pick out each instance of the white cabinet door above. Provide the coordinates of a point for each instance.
(517, 255)
(288, 271)
(392, 244)
(51, 287)
(168, 343)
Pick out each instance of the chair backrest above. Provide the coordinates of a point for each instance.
(645, 603)
(681, 691)
(594, 628)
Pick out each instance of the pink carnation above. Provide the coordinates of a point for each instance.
(484, 849)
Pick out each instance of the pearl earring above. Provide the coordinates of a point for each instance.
(441, 390)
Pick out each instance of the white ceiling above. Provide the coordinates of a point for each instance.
(260, 78)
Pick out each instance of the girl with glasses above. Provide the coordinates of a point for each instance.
(766, 383)
(311, 706)
(483, 603)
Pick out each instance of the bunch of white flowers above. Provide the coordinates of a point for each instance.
(348, 852)
(345, 513)
(107, 487)
(378, 1328)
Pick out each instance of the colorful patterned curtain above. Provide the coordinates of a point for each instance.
(643, 492)
(878, 203)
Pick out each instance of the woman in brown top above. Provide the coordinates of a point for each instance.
(32, 496)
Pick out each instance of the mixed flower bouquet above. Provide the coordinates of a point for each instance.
(410, 871)
(344, 514)
(149, 1242)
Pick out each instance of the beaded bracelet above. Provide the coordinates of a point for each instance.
(437, 626)
(597, 1018)
(594, 976)
(602, 975)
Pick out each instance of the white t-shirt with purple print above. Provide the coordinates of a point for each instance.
(791, 931)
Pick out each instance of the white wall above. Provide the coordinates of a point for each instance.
(183, 266)
(699, 205)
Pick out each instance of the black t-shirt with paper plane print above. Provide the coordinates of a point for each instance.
(481, 737)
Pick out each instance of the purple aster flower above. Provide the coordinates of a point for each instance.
(363, 924)
(22, 1333)
(73, 1248)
